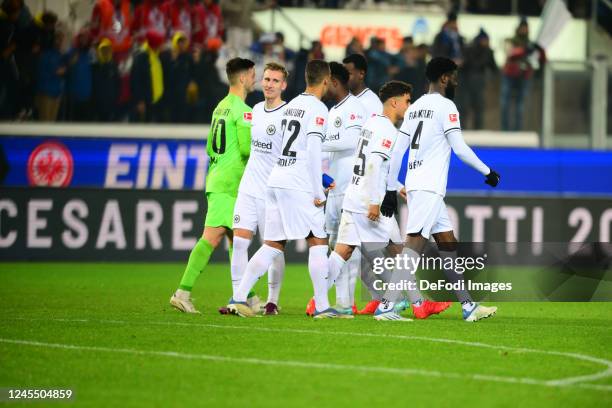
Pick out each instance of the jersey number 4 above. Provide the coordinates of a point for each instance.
(218, 142)
(293, 126)
(417, 136)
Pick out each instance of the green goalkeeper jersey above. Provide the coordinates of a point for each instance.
(228, 145)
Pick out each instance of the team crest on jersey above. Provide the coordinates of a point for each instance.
(452, 117)
(387, 143)
(338, 122)
(320, 121)
(270, 130)
(248, 116)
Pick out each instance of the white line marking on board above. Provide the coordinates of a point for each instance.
(561, 382)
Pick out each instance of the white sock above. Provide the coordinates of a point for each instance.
(336, 263)
(275, 278)
(451, 276)
(354, 267)
(392, 296)
(338, 275)
(319, 270)
(257, 266)
(240, 259)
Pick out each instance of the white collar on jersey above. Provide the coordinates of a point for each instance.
(342, 101)
(362, 92)
(274, 109)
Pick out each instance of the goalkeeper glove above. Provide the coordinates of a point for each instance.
(389, 204)
(492, 178)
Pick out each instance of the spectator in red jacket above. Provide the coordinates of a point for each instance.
(149, 17)
(207, 23)
(112, 19)
(179, 15)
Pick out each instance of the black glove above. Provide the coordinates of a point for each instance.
(492, 178)
(389, 204)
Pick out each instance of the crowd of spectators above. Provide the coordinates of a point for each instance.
(162, 61)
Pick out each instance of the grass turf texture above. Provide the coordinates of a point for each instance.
(125, 306)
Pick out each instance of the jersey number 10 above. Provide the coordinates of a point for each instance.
(218, 132)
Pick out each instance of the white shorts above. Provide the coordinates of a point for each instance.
(249, 213)
(333, 213)
(427, 214)
(291, 214)
(357, 228)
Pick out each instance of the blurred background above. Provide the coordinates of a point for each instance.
(111, 99)
(79, 61)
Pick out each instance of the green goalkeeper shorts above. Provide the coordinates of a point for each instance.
(220, 211)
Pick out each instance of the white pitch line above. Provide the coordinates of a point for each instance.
(286, 363)
(562, 382)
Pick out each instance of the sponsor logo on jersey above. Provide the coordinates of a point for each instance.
(333, 137)
(270, 130)
(452, 117)
(337, 122)
(248, 116)
(236, 219)
(261, 145)
(50, 165)
(320, 121)
(387, 143)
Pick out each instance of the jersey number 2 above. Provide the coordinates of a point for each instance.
(218, 134)
(294, 126)
(417, 136)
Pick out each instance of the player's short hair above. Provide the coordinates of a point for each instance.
(358, 61)
(236, 66)
(439, 66)
(394, 88)
(273, 66)
(339, 73)
(316, 71)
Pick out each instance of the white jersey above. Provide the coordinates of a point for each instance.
(344, 126)
(266, 139)
(371, 103)
(377, 137)
(427, 122)
(305, 116)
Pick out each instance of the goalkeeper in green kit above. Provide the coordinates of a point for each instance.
(228, 146)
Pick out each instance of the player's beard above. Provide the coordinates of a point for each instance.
(450, 91)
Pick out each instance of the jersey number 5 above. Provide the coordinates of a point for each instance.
(218, 142)
(294, 126)
(359, 168)
(417, 136)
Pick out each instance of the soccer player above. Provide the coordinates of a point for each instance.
(432, 128)
(295, 196)
(228, 146)
(357, 67)
(249, 212)
(362, 225)
(344, 125)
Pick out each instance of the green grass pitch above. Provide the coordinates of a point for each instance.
(107, 332)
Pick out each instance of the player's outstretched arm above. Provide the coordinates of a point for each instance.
(399, 149)
(346, 141)
(467, 155)
(314, 163)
